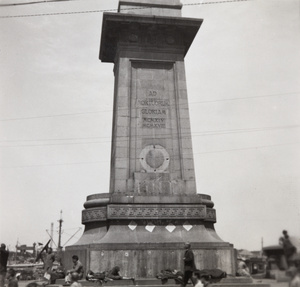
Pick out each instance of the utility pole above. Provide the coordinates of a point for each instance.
(51, 243)
(16, 250)
(59, 232)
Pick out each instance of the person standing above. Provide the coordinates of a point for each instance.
(189, 264)
(288, 248)
(3, 263)
(48, 264)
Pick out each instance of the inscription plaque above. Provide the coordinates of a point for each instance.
(153, 110)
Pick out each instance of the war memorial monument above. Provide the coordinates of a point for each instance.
(152, 207)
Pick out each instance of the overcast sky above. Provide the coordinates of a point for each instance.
(243, 74)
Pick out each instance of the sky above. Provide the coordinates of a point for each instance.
(243, 75)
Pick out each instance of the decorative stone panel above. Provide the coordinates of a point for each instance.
(94, 214)
(156, 211)
(210, 214)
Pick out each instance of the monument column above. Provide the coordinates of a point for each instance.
(152, 206)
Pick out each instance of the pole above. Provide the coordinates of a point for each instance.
(59, 232)
(51, 243)
(73, 235)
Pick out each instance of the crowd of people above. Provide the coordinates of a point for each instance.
(198, 278)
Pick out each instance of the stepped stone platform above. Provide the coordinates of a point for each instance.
(153, 282)
(239, 282)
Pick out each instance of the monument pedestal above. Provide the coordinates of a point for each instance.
(152, 207)
(146, 234)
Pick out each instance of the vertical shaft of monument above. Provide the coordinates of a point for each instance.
(151, 141)
(152, 206)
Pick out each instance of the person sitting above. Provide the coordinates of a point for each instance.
(11, 277)
(114, 274)
(74, 279)
(95, 276)
(205, 281)
(197, 279)
(294, 273)
(57, 273)
(77, 267)
(242, 269)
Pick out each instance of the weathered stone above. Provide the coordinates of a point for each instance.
(152, 207)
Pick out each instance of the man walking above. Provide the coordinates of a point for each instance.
(3, 263)
(189, 264)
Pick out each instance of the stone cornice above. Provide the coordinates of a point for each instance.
(103, 199)
(145, 31)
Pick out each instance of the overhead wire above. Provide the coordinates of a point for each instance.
(111, 110)
(34, 2)
(109, 10)
(125, 138)
(200, 153)
(106, 10)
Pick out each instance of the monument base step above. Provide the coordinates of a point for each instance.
(240, 285)
(239, 282)
(154, 282)
(246, 280)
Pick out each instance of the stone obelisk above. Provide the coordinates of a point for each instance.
(152, 206)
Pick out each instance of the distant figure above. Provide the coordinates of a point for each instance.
(197, 279)
(242, 268)
(189, 264)
(77, 267)
(48, 264)
(11, 277)
(3, 263)
(288, 248)
(74, 279)
(295, 277)
(114, 274)
(57, 273)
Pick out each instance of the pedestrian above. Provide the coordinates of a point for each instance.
(11, 277)
(77, 267)
(3, 263)
(48, 264)
(189, 264)
(288, 247)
